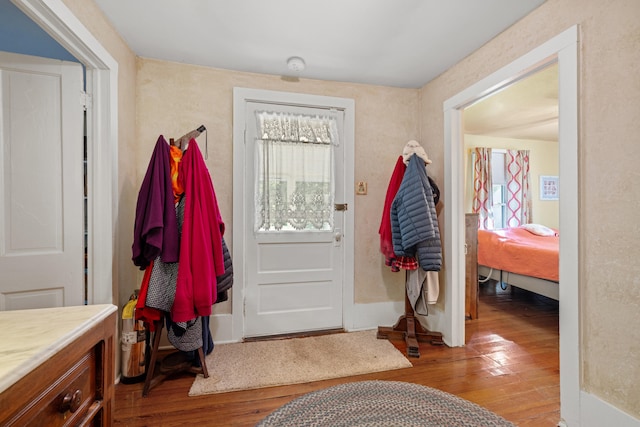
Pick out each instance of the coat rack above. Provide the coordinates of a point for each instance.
(171, 365)
(152, 380)
(409, 328)
(183, 142)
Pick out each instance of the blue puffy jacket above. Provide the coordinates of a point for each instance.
(414, 223)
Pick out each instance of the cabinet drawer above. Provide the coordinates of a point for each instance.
(65, 402)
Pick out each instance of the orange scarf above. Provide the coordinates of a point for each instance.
(174, 161)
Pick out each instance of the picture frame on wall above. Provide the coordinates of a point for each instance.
(549, 187)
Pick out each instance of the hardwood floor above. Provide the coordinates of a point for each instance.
(510, 366)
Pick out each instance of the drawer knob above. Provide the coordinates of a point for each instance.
(71, 402)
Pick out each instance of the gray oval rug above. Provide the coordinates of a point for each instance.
(382, 403)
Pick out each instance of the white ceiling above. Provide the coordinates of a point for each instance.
(528, 109)
(398, 43)
(403, 43)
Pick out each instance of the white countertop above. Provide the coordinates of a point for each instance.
(30, 337)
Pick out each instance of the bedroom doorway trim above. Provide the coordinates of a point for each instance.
(54, 17)
(564, 49)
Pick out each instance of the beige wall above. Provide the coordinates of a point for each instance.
(175, 98)
(608, 154)
(128, 183)
(543, 160)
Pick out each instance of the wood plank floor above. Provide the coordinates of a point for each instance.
(510, 365)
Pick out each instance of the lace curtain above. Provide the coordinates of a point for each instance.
(294, 167)
(482, 188)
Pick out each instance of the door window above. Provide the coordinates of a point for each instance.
(294, 180)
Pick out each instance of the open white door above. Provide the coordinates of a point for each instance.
(41, 184)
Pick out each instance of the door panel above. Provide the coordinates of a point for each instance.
(41, 184)
(294, 279)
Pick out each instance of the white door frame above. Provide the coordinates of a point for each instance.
(54, 17)
(241, 96)
(564, 49)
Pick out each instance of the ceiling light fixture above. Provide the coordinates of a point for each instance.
(295, 63)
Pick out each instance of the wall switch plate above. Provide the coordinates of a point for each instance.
(361, 188)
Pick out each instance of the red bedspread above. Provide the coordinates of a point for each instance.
(519, 251)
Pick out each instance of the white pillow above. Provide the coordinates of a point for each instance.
(539, 230)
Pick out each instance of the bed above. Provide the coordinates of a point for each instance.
(526, 257)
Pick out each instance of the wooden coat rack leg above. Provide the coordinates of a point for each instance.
(151, 380)
(409, 328)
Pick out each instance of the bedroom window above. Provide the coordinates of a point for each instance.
(499, 205)
(499, 187)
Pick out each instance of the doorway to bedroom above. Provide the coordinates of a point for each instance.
(562, 49)
(510, 139)
(511, 158)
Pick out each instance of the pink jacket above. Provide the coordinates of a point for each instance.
(201, 256)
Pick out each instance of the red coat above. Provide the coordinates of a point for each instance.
(201, 255)
(386, 242)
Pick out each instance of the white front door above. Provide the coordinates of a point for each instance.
(293, 277)
(41, 183)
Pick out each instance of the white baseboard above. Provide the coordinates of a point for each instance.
(221, 328)
(595, 412)
(365, 316)
(370, 316)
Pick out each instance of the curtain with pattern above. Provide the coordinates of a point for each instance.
(482, 187)
(518, 188)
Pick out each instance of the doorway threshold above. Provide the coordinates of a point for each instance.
(302, 334)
